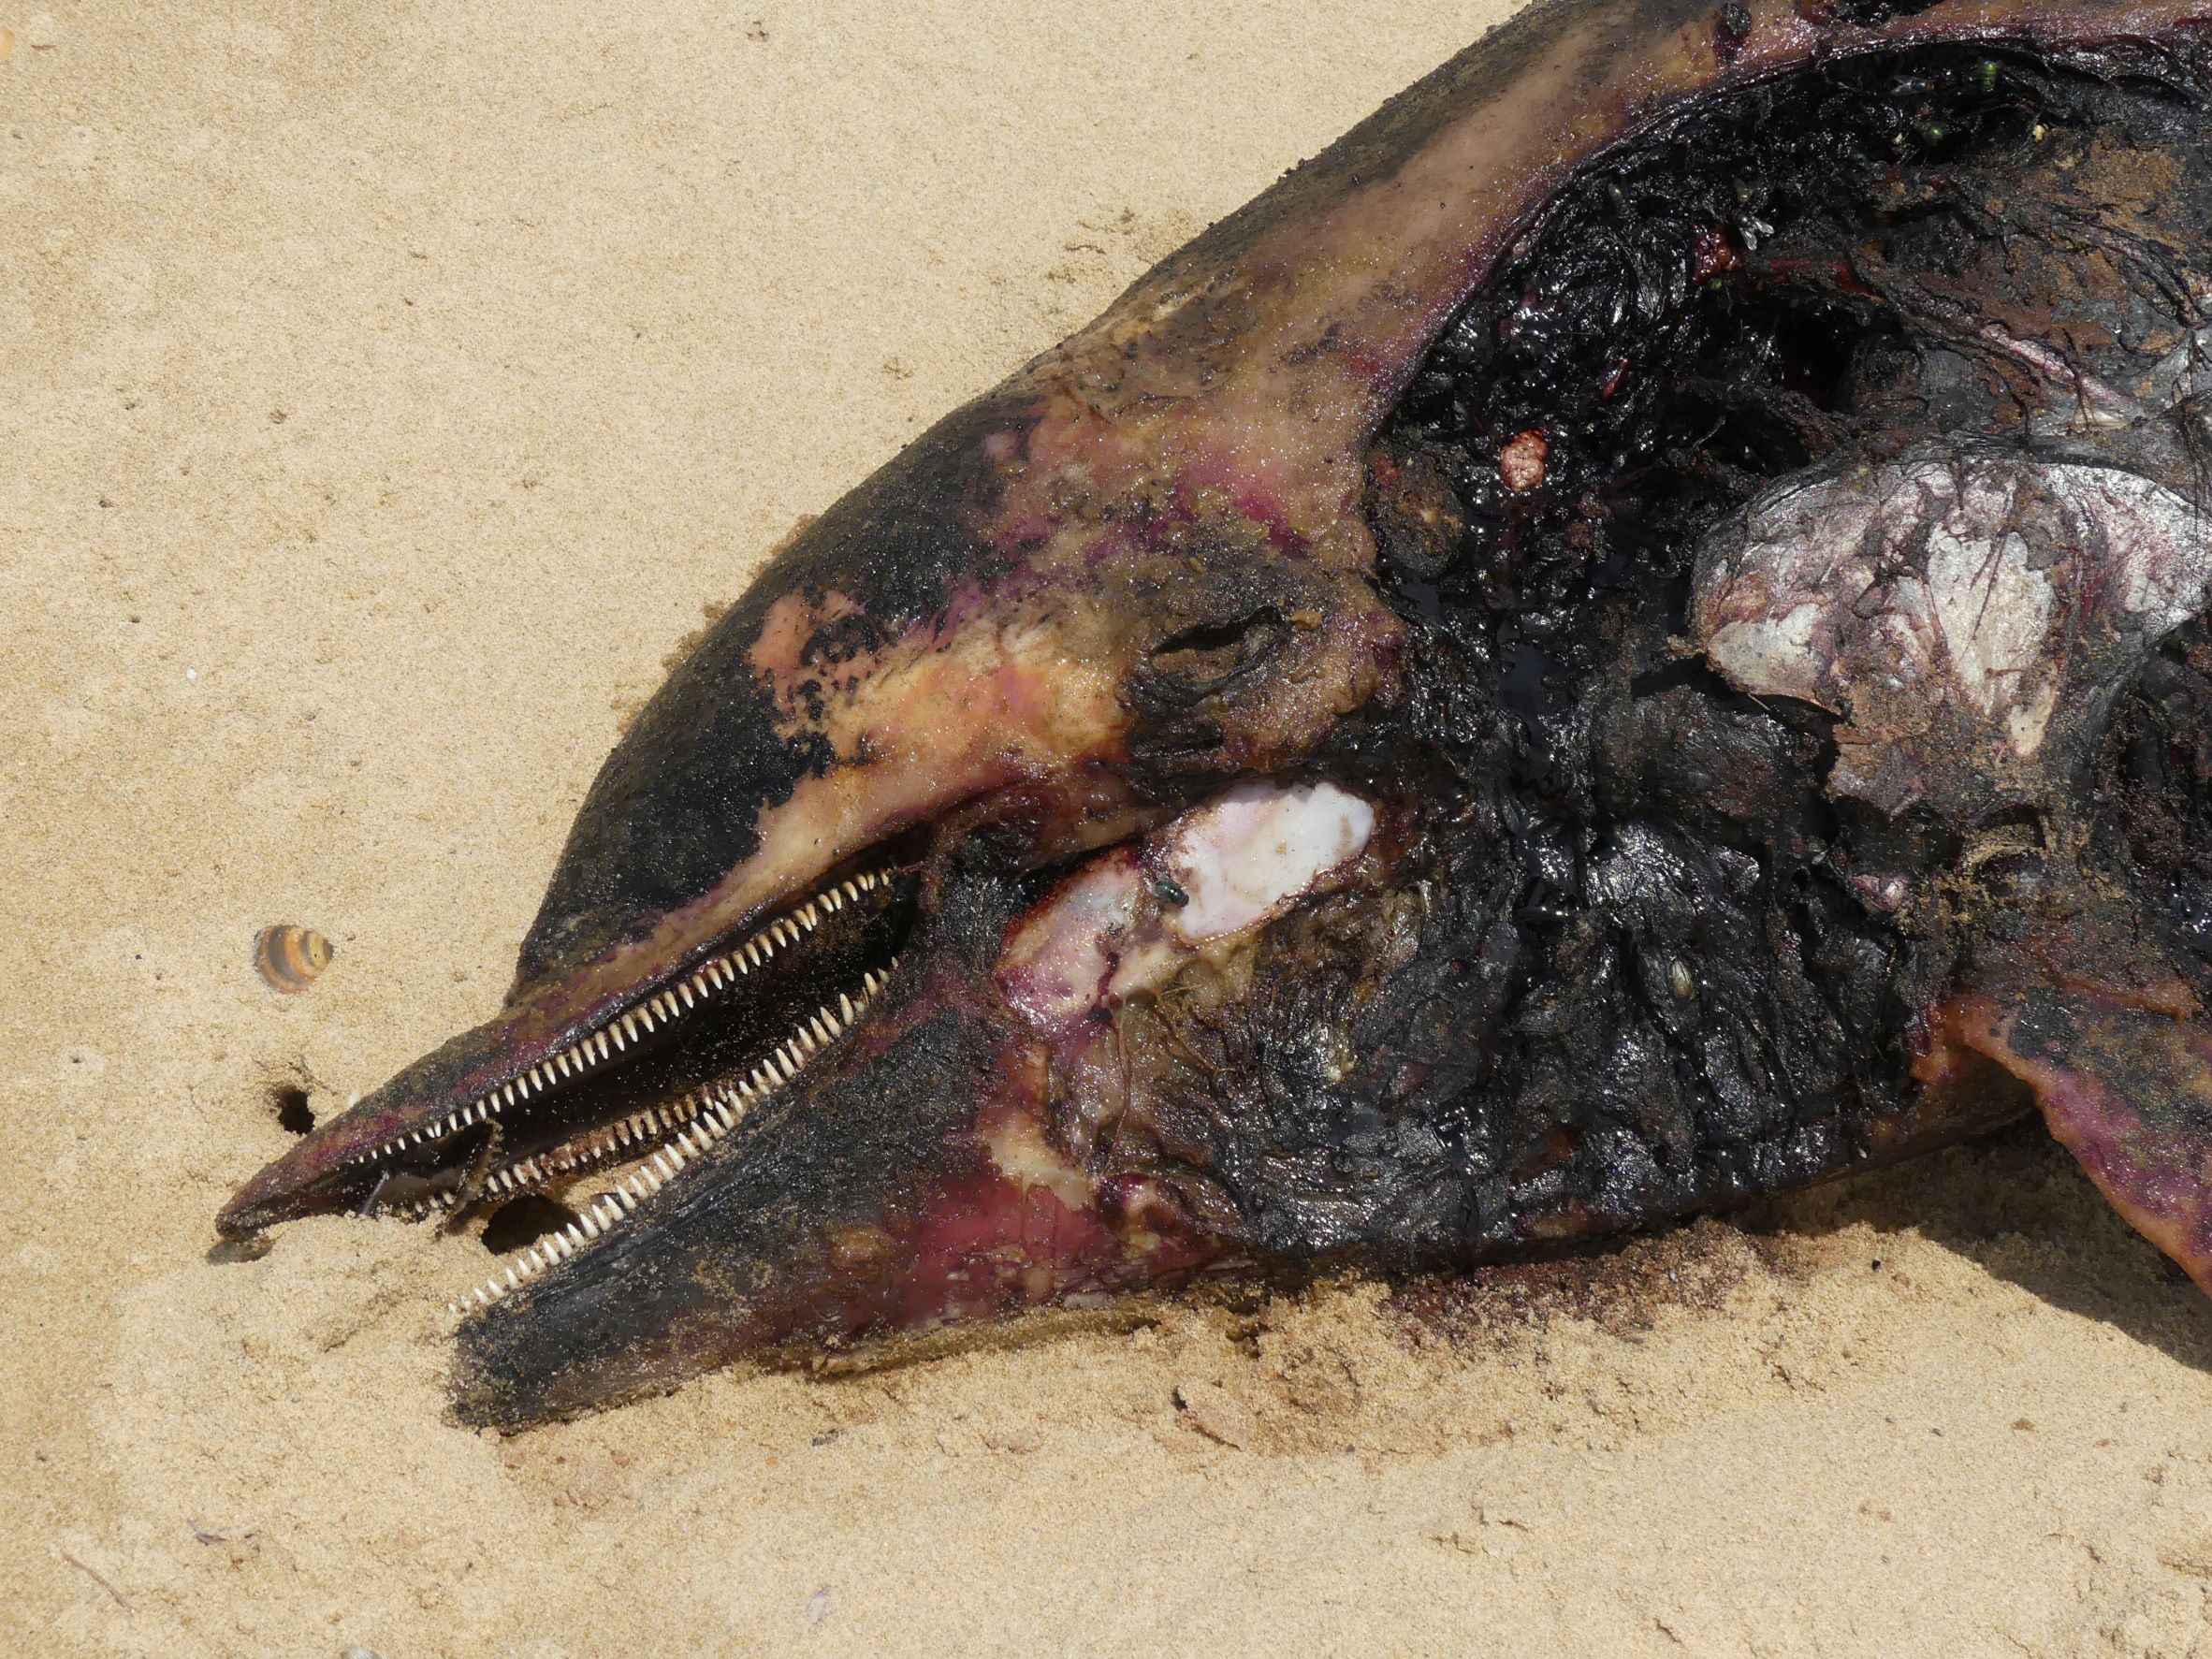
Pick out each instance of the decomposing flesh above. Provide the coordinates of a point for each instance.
(1631, 637)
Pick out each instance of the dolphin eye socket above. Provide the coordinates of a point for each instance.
(1209, 658)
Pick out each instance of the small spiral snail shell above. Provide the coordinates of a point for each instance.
(290, 957)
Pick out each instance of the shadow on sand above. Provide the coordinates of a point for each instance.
(2017, 1204)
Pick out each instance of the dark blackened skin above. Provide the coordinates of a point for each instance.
(1401, 478)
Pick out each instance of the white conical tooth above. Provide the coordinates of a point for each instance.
(810, 916)
(783, 1062)
(825, 1024)
(845, 1006)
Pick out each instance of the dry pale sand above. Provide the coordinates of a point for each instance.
(386, 388)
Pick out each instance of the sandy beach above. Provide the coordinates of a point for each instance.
(387, 390)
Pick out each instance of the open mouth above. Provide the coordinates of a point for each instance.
(609, 1118)
(604, 1118)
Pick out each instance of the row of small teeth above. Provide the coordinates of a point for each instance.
(705, 980)
(706, 1119)
(576, 1158)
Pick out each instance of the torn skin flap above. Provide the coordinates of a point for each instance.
(2127, 1089)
